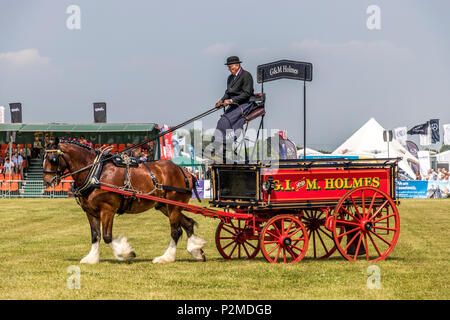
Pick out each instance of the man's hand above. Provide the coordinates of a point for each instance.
(219, 103)
(227, 102)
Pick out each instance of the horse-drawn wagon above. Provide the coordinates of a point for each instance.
(296, 204)
(283, 208)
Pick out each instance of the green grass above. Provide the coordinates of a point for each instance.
(39, 239)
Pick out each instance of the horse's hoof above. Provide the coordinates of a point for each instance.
(161, 260)
(89, 260)
(129, 256)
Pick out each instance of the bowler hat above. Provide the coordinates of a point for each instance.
(233, 60)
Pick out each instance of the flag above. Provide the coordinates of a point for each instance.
(16, 112)
(99, 112)
(419, 129)
(425, 139)
(413, 149)
(434, 125)
(400, 134)
(2, 114)
(446, 133)
(424, 162)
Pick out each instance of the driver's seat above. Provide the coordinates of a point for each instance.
(259, 100)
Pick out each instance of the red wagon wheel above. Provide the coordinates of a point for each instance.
(320, 238)
(236, 240)
(371, 222)
(284, 239)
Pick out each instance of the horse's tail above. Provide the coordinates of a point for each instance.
(194, 187)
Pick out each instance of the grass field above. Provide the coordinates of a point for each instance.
(40, 239)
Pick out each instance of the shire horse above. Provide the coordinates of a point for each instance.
(101, 206)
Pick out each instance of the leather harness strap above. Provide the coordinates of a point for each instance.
(169, 188)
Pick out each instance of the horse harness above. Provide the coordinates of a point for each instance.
(92, 180)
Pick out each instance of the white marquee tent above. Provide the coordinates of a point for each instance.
(443, 156)
(309, 152)
(368, 141)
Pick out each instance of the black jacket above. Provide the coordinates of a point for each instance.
(239, 87)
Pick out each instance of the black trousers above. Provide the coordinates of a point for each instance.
(232, 120)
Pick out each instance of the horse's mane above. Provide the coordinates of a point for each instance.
(77, 143)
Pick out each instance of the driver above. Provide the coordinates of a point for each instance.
(236, 100)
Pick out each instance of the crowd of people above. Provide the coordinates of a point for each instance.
(440, 175)
(14, 162)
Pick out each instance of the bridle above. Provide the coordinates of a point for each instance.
(55, 159)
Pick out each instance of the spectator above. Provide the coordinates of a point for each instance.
(83, 140)
(37, 147)
(9, 167)
(18, 164)
(143, 157)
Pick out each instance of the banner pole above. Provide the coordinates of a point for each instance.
(304, 115)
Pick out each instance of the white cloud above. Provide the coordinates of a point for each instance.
(26, 57)
(220, 49)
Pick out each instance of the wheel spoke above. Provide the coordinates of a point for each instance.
(229, 231)
(384, 228)
(228, 245)
(246, 241)
(234, 248)
(294, 256)
(350, 242)
(383, 218)
(356, 208)
(289, 228)
(363, 203)
(367, 247)
(292, 234)
(381, 238)
(278, 254)
(246, 251)
(374, 245)
(314, 245)
(371, 203)
(348, 212)
(348, 232)
(273, 249)
(347, 223)
(378, 211)
(323, 243)
(326, 233)
(355, 257)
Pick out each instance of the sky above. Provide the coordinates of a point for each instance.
(163, 61)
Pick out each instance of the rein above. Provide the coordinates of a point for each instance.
(135, 146)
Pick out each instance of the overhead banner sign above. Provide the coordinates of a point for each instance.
(16, 112)
(284, 69)
(99, 112)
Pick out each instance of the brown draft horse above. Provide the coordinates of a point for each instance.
(101, 206)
